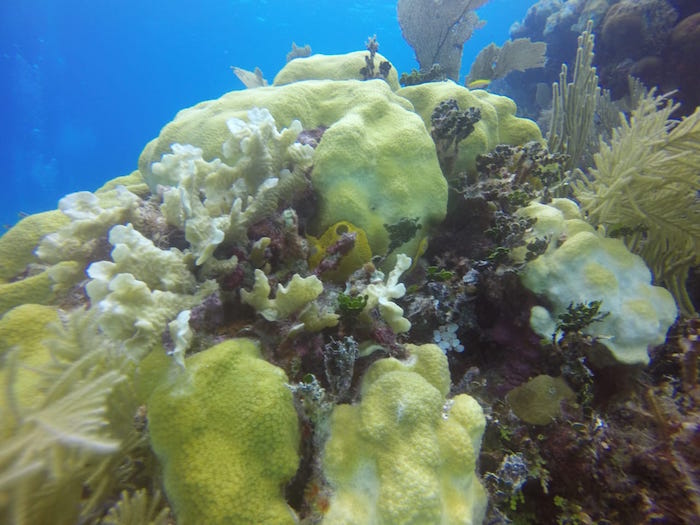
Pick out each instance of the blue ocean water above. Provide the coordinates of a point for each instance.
(85, 84)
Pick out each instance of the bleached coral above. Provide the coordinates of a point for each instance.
(91, 216)
(215, 201)
(380, 295)
(587, 267)
(145, 288)
(297, 298)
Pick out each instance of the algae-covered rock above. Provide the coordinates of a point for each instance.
(375, 163)
(538, 401)
(498, 124)
(227, 434)
(405, 454)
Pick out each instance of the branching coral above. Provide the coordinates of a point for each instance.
(91, 216)
(437, 30)
(142, 290)
(216, 201)
(380, 293)
(644, 187)
(296, 299)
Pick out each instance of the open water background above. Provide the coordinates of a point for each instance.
(85, 84)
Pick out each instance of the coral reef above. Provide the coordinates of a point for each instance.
(498, 123)
(651, 40)
(290, 315)
(374, 164)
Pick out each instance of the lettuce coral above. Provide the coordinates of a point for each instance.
(142, 290)
(380, 295)
(215, 201)
(294, 299)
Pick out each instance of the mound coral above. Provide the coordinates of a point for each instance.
(404, 454)
(498, 123)
(374, 164)
(590, 267)
(227, 435)
(331, 67)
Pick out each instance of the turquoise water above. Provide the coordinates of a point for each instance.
(84, 85)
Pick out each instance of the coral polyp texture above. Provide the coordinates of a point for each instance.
(236, 441)
(227, 434)
(331, 67)
(405, 454)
